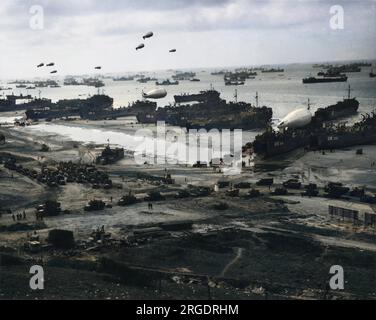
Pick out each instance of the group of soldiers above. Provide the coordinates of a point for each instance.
(38, 216)
(19, 216)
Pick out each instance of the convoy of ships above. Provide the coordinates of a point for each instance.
(206, 109)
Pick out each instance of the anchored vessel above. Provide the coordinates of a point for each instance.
(167, 83)
(341, 78)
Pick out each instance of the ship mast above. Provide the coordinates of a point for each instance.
(349, 93)
(309, 104)
(257, 99)
(236, 95)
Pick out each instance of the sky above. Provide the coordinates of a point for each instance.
(78, 35)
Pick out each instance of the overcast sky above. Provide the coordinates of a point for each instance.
(79, 35)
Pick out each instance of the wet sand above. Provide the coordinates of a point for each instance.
(283, 245)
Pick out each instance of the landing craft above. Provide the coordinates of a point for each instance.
(148, 35)
(55, 71)
(173, 50)
(50, 64)
(155, 94)
(40, 65)
(296, 119)
(140, 46)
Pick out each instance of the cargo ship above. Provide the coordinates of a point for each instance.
(341, 78)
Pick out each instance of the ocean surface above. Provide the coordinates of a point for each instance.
(282, 92)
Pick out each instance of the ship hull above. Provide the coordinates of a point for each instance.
(324, 80)
(346, 139)
(342, 109)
